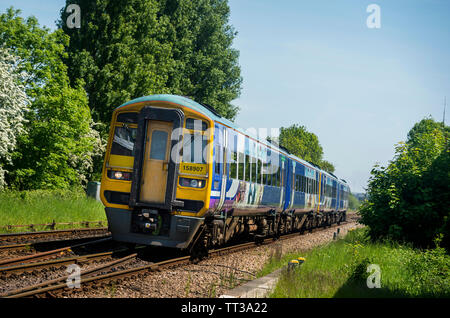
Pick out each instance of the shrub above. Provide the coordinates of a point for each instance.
(409, 199)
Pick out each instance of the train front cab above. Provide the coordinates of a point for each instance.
(154, 195)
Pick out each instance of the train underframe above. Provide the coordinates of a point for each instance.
(218, 230)
(197, 235)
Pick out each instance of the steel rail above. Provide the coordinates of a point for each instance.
(8, 237)
(38, 256)
(49, 285)
(116, 275)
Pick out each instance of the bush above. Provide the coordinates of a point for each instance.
(408, 201)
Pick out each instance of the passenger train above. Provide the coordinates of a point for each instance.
(178, 175)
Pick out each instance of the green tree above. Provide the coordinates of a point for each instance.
(409, 199)
(126, 49)
(304, 144)
(13, 106)
(56, 149)
(353, 202)
(327, 166)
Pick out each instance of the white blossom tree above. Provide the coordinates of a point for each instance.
(13, 106)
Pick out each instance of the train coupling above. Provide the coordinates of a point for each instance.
(148, 221)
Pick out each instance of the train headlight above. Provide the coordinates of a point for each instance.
(119, 175)
(192, 183)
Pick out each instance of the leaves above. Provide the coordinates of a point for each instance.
(129, 49)
(14, 104)
(409, 199)
(304, 144)
(54, 151)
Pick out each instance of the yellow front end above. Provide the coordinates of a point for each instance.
(193, 173)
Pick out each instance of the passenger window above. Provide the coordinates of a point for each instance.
(254, 172)
(247, 168)
(196, 124)
(159, 145)
(258, 175)
(123, 141)
(194, 146)
(128, 118)
(233, 165)
(240, 166)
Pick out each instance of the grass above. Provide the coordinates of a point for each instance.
(339, 269)
(46, 206)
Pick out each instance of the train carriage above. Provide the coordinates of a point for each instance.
(177, 174)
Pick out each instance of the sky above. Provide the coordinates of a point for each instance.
(318, 64)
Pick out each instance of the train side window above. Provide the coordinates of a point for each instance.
(194, 146)
(159, 145)
(247, 168)
(259, 168)
(274, 175)
(269, 174)
(240, 166)
(217, 160)
(254, 170)
(128, 118)
(264, 173)
(304, 184)
(123, 141)
(196, 124)
(233, 165)
(301, 184)
(279, 176)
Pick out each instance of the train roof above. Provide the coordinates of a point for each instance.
(203, 109)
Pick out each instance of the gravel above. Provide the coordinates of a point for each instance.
(212, 277)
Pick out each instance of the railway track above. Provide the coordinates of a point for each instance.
(46, 236)
(59, 287)
(47, 254)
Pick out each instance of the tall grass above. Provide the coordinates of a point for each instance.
(46, 206)
(339, 269)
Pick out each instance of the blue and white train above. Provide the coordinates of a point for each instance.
(177, 174)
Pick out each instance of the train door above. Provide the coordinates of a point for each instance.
(219, 177)
(156, 161)
(291, 175)
(224, 172)
(282, 182)
(288, 182)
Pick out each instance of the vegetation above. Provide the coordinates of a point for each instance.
(14, 104)
(46, 206)
(55, 149)
(128, 49)
(304, 144)
(339, 269)
(60, 80)
(408, 201)
(353, 202)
